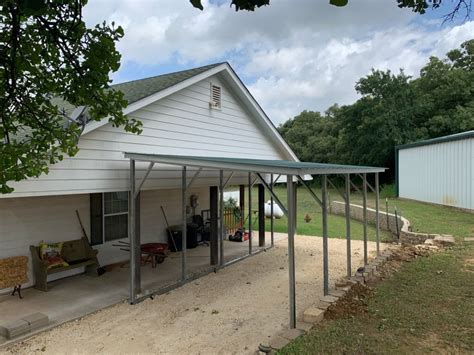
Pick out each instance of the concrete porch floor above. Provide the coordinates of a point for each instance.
(76, 296)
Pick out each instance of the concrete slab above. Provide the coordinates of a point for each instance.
(277, 342)
(36, 320)
(15, 328)
(291, 334)
(313, 315)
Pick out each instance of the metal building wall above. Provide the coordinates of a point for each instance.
(441, 173)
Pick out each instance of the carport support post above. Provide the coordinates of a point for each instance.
(250, 213)
(221, 217)
(377, 216)
(348, 225)
(242, 205)
(364, 204)
(261, 215)
(135, 277)
(271, 213)
(291, 248)
(184, 226)
(324, 191)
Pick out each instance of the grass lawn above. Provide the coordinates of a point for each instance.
(426, 307)
(306, 205)
(423, 217)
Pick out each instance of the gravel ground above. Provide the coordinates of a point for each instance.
(229, 312)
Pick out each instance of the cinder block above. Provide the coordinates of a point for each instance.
(291, 334)
(344, 288)
(444, 239)
(16, 328)
(323, 305)
(329, 299)
(36, 320)
(313, 315)
(277, 342)
(337, 293)
(304, 326)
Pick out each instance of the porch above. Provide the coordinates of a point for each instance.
(76, 296)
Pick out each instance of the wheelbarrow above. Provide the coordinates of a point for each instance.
(154, 252)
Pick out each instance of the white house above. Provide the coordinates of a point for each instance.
(205, 111)
(439, 170)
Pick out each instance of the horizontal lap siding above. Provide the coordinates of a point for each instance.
(28, 221)
(440, 173)
(180, 124)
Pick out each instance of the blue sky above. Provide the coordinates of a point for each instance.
(290, 57)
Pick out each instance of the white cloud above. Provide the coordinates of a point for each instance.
(293, 55)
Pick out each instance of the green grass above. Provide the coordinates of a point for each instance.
(306, 205)
(424, 217)
(426, 307)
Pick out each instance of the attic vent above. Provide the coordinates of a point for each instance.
(215, 97)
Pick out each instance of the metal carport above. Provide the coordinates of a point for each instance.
(293, 170)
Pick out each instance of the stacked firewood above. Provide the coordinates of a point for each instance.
(13, 271)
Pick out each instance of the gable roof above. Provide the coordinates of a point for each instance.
(138, 89)
(143, 92)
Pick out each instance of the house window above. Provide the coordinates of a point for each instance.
(216, 97)
(115, 215)
(109, 217)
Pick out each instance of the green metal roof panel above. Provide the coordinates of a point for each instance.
(255, 165)
(450, 138)
(139, 89)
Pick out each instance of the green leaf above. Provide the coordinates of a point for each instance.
(338, 2)
(197, 4)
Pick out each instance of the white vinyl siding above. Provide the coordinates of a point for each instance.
(27, 221)
(441, 173)
(180, 124)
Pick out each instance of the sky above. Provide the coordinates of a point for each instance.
(293, 55)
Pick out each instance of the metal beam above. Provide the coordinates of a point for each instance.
(291, 250)
(228, 179)
(254, 181)
(137, 190)
(250, 213)
(221, 217)
(355, 187)
(377, 215)
(196, 174)
(184, 225)
(272, 193)
(348, 226)
(335, 188)
(261, 216)
(324, 192)
(315, 197)
(135, 281)
(364, 204)
(371, 188)
(272, 238)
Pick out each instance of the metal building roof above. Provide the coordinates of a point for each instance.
(286, 167)
(450, 138)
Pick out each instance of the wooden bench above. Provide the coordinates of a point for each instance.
(76, 253)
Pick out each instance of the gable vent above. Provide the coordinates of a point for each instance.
(215, 97)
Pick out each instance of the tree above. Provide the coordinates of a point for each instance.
(49, 59)
(393, 109)
(417, 6)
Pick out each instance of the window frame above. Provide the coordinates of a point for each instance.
(104, 215)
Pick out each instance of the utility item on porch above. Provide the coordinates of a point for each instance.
(154, 252)
(204, 229)
(100, 269)
(277, 212)
(239, 236)
(174, 233)
(76, 253)
(13, 273)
